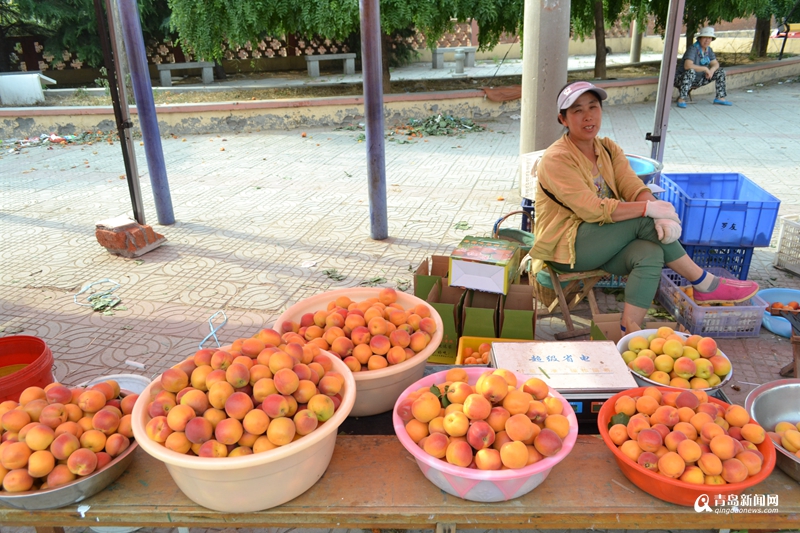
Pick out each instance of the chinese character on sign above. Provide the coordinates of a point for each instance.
(724, 225)
(759, 499)
(720, 499)
(536, 359)
(568, 358)
(733, 227)
(745, 500)
(552, 359)
(584, 357)
(772, 499)
(733, 499)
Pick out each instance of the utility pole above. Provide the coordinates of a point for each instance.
(146, 109)
(544, 71)
(372, 72)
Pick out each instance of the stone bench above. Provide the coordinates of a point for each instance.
(348, 60)
(165, 71)
(469, 52)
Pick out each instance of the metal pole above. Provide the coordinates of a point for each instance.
(665, 79)
(372, 69)
(116, 80)
(544, 71)
(146, 108)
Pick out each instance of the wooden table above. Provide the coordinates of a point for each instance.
(372, 482)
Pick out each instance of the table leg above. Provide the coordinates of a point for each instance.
(445, 528)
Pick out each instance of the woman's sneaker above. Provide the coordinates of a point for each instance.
(727, 291)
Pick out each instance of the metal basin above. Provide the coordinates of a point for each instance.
(648, 170)
(774, 402)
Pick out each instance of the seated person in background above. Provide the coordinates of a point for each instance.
(593, 211)
(699, 67)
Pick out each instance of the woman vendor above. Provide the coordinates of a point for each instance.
(593, 212)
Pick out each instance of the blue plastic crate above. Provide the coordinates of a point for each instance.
(527, 206)
(721, 208)
(740, 320)
(735, 260)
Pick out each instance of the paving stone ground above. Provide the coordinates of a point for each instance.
(259, 223)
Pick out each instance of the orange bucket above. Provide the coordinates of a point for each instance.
(25, 361)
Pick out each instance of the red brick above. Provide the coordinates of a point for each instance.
(111, 239)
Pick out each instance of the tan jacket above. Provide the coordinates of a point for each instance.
(567, 174)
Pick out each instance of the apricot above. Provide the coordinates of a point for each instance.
(699, 420)
(516, 401)
(635, 425)
(436, 445)
(647, 405)
(547, 442)
(723, 447)
(648, 460)
(672, 440)
(671, 464)
(519, 427)
(737, 416)
(416, 430)
(649, 440)
(514, 454)
(710, 464)
(626, 405)
(558, 423)
(733, 470)
(689, 451)
(751, 460)
(618, 433)
(459, 453)
(694, 475)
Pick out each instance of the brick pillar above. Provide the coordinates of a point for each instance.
(125, 237)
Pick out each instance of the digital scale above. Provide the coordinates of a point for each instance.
(586, 373)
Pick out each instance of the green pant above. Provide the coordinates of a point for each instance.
(629, 248)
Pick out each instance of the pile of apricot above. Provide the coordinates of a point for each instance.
(367, 335)
(56, 434)
(494, 424)
(681, 435)
(217, 404)
(479, 356)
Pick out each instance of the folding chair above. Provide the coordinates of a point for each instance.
(573, 281)
(564, 283)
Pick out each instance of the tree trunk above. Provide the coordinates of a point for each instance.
(599, 41)
(219, 72)
(761, 37)
(5, 62)
(386, 49)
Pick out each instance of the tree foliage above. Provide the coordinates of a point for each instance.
(72, 25)
(14, 22)
(204, 25)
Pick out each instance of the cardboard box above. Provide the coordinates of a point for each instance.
(475, 342)
(483, 264)
(480, 314)
(607, 327)
(448, 302)
(428, 273)
(518, 312)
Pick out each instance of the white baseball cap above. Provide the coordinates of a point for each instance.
(571, 92)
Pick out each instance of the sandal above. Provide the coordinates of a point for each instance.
(722, 102)
(682, 104)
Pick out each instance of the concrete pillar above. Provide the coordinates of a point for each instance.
(544, 71)
(460, 58)
(636, 43)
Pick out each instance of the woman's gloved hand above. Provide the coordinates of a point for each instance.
(668, 230)
(659, 209)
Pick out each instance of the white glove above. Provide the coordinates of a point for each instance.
(659, 209)
(668, 230)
